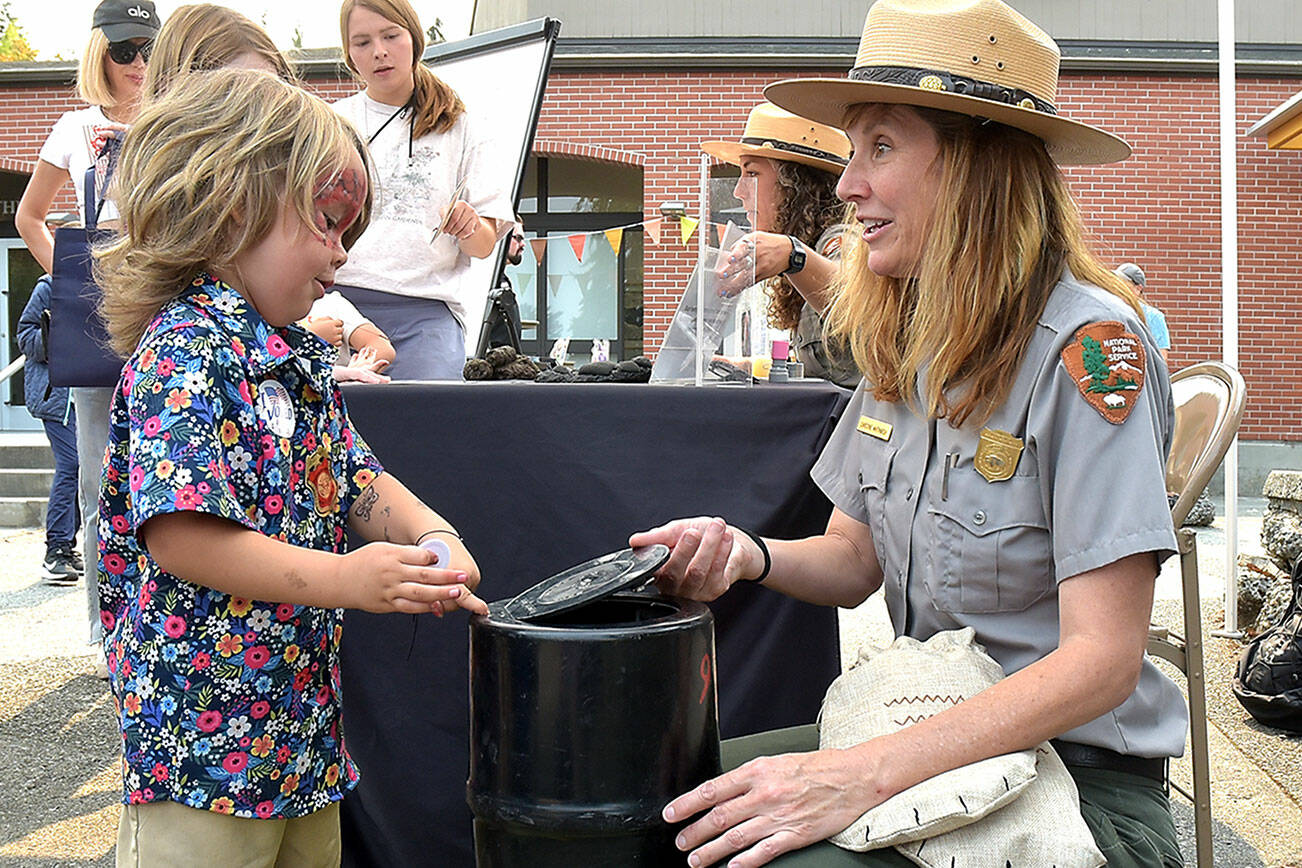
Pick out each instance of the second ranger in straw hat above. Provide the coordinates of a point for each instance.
(789, 168)
(780, 135)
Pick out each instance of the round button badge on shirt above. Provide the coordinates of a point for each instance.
(275, 408)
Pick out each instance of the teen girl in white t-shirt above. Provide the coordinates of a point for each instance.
(407, 271)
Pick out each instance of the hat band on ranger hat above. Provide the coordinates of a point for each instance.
(792, 147)
(939, 80)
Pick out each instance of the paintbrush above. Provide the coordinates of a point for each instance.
(456, 197)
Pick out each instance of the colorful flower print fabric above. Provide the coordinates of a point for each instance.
(226, 704)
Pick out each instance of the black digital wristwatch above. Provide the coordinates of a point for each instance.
(797, 261)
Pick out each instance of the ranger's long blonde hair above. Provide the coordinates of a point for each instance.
(1004, 226)
(202, 178)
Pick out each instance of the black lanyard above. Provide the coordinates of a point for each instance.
(403, 109)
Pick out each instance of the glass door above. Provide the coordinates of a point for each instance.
(17, 277)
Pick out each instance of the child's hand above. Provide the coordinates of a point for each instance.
(367, 360)
(463, 562)
(384, 577)
(350, 374)
(327, 328)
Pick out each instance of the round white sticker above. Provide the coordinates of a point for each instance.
(276, 408)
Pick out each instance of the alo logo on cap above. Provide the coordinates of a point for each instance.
(138, 12)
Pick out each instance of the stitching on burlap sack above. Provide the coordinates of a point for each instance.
(890, 688)
(1043, 827)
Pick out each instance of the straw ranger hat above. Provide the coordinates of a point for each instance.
(779, 135)
(973, 57)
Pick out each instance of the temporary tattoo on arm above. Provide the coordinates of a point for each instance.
(296, 581)
(366, 503)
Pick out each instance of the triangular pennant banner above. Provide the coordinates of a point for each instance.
(578, 242)
(652, 228)
(615, 237)
(716, 237)
(687, 227)
(539, 246)
(554, 284)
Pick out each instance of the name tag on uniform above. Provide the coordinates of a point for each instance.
(875, 427)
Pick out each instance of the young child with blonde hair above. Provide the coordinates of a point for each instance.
(232, 469)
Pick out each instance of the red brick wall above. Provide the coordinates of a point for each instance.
(30, 112)
(1160, 208)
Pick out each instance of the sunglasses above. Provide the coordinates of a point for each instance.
(517, 237)
(123, 53)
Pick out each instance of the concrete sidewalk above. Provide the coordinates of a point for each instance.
(60, 780)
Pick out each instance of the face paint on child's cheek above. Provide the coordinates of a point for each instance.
(343, 198)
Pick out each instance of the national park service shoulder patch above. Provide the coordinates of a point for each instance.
(1107, 364)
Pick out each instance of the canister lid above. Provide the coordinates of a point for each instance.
(588, 581)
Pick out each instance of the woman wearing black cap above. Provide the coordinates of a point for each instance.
(110, 78)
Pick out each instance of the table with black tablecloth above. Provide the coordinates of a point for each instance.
(539, 477)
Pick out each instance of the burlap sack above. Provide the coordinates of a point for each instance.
(1041, 827)
(891, 688)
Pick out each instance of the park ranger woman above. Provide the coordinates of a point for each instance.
(1000, 468)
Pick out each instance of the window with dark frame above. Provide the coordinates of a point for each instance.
(599, 295)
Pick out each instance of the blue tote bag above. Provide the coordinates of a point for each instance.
(78, 342)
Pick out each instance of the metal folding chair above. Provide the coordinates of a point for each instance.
(1209, 400)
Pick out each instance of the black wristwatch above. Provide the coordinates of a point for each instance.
(797, 261)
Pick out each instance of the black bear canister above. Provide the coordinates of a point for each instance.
(592, 705)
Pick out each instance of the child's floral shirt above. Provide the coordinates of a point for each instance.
(226, 704)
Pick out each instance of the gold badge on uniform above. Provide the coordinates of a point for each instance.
(1107, 364)
(997, 454)
(875, 427)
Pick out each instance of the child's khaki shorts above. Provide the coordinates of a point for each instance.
(170, 834)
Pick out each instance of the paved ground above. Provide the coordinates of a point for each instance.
(59, 779)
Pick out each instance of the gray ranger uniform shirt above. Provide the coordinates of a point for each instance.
(1087, 489)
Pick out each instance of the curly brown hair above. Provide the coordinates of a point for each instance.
(807, 207)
